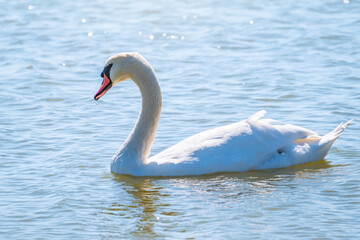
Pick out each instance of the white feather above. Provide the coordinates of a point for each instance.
(250, 144)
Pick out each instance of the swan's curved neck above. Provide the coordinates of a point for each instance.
(138, 145)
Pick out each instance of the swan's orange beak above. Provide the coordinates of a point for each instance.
(105, 86)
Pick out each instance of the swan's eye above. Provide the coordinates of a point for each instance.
(106, 71)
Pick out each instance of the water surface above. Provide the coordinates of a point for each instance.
(217, 62)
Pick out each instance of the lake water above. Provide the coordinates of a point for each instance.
(217, 62)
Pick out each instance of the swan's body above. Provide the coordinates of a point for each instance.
(250, 144)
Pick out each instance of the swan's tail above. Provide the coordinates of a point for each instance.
(310, 149)
(314, 148)
(334, 134)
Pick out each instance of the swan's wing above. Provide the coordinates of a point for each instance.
(188, 149)
(257, 116)
(242, 146)
(239, 147)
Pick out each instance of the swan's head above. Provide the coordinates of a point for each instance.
(117, 68)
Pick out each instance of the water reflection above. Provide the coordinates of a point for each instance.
(150, 202)
(252, 182)
(145, 204)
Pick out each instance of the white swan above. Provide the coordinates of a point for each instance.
(250, 144)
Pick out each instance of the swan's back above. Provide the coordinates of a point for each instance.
(236, 147)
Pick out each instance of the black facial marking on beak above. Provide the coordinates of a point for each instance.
(106, 83)
(106, 71)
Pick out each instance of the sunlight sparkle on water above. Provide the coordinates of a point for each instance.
(216, 66)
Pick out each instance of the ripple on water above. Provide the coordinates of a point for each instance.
(217, 63)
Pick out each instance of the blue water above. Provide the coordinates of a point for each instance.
(217, 62)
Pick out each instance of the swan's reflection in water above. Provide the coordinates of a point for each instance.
(156, 207)
(142, 207)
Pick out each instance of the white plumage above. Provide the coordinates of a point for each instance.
(250, 144)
